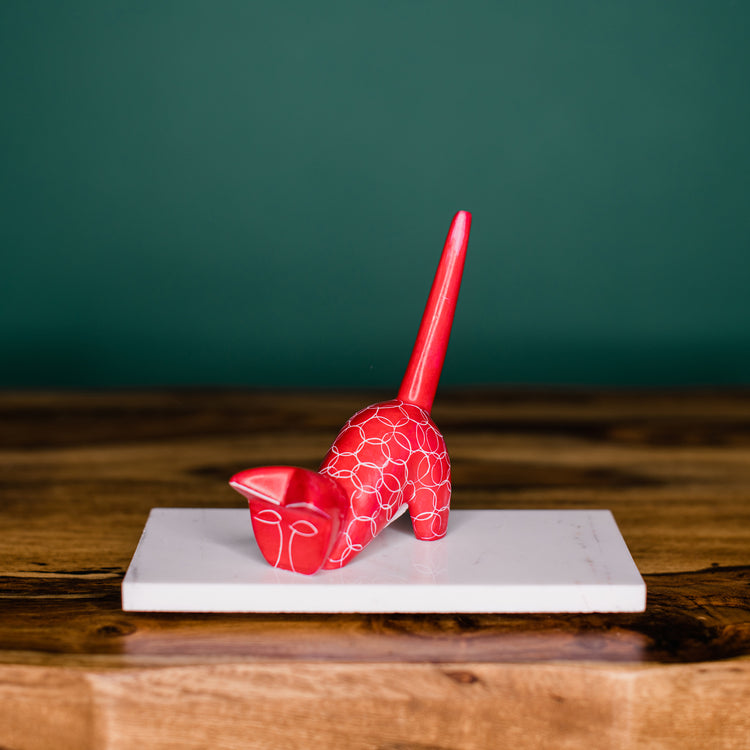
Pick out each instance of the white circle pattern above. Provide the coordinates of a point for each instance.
(386, 456)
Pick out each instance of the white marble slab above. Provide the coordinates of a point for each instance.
(192, 560)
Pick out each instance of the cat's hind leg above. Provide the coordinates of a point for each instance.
(429, 509)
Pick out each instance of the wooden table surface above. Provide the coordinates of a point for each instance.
(79, 473)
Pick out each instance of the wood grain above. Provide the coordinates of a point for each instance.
(80, 471)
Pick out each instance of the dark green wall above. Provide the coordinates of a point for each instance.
(257, 193)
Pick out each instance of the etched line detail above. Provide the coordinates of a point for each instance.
(386, 456)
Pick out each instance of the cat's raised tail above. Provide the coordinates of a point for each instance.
(426, 364)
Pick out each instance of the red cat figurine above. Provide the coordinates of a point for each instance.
(389, 457)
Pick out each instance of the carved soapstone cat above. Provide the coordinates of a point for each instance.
(389, 457)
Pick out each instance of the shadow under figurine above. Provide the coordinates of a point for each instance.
(388, 457)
